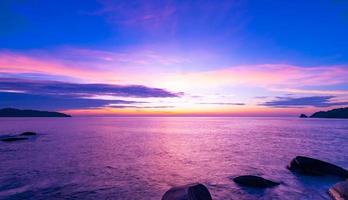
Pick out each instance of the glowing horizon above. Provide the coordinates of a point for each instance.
(173, 58)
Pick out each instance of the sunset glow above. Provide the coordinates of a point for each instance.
(175, 58)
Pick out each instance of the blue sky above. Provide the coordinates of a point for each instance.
(221, 51)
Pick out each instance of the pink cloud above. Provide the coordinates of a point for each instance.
(159, 69)
(269, 75)
(20, 63)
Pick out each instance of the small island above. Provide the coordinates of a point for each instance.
(303, 116)
(339, 113)
(12, 112)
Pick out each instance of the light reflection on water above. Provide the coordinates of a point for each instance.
(140, 158)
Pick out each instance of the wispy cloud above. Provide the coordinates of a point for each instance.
(299, 102)
(268, 75)
(169, 17)
(140, 107)
(222, 103)
(311, 91)
(19, 63)
(90, 65)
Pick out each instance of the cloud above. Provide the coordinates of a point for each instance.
(300, 102)
(140, 107)
(147, 67)
(82, 90)
(166, 18)
(268, 75)
(55, 95)
(51, 65)
(222, 103)
(310, 91)
(53, 102)
(78, 64)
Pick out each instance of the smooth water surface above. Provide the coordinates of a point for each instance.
(141, 158)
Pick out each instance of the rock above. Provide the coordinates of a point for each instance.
(195, 191)
(339, 191)
(13, 139)
(303, 116)
(199, 192)
(254, 181)
(28, 133)
(313, 166)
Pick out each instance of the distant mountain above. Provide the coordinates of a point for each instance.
(12, 112)
(335, 113)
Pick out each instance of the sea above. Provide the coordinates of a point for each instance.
(142, 157)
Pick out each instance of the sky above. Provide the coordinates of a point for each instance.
(184, 57)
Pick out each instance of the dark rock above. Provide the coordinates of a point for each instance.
(12, 112)
(303, 116)
(28, 133)
(335, 113)
(313, 166)
(339, 191)
(13, 139)
(199, 192)
(188, 192)
(254, 181)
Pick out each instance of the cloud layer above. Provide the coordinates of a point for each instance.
(299, 102)
(82, 90)
(54, 95)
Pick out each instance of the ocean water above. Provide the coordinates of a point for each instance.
(141, 158)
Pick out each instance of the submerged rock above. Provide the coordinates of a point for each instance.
(13, 139)
(28, 133)
(313, 166)
(339, 191)
(254, 181)
(20, 137)
(195, 191)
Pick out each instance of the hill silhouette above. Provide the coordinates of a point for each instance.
(12, 112)
(335, 113)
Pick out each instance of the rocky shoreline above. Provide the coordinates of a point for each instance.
(300, 165)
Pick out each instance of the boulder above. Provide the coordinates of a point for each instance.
(254, 181)
(28, 133)
(195, 191)
(313, 166)
(339, 191)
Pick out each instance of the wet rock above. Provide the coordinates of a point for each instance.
(28, 133)
(13, 139)
(195, 191)
(254, 181)
(313, 166)
(339, 191)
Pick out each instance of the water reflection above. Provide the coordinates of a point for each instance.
(140, 158)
